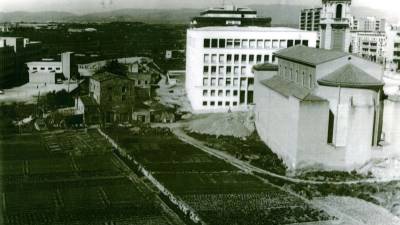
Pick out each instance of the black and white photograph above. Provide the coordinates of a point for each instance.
(188, 112)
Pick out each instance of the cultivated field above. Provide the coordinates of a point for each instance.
(72, 178)
(217, 191)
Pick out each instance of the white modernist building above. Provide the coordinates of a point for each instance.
(46, 71)
(219, 62)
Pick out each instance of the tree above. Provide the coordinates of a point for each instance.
(114, 67)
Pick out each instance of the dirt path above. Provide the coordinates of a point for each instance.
(178, 130)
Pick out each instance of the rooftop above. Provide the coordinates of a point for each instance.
(106, 76)
(352, 77)
(88, 101)
(249, 29)
(266, 67)
(229, 9)
(289, 88)
(309, 56)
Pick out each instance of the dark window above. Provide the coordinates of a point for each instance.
(219, 103)
(229, 58)
(222, 43)
(212, 103)
(235, 93)
(266, 58)
(236, 58)
(206, 43)
(237, 43)
(251, 58)
(259, 58)
(213, 69)
(339, 9)
(214, 43)
(290, 43)
(244, 58)
(250, 97)
(305, 42)
(228, 70)
(205, 69)
(297, 42)
(204, 103)
(330, 127)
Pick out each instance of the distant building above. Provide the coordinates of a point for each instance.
(219, 61)
(44, 72)
(319, 108)
(142, 80)
(114, 95)
(81, 30)
(174, 54)
(88, 69)
(5, 27)
(368, 24)
(229, 16)
(7, 66)
(310, 19)
(12, 69)
(392, 52)
(49, 71)
(369, 45)
(175, 77)
(335, 25)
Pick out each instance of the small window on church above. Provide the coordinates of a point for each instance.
(339, 9)
(331, 123)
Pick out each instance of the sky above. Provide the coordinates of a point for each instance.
(88, 6)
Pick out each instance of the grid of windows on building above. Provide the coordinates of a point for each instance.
(252, 43)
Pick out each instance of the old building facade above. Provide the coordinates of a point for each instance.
(115, 96)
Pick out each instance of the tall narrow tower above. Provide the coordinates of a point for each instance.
(335, 25)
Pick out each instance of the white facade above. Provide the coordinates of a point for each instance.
(44, 71)
(311, 124)
(369, 45)
(219, 62)
(392, 53)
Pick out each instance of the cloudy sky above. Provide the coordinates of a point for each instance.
(87, 6)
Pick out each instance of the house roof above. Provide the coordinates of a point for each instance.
(289, 88)
(265, 67)
(88, 101)
(106, 76)
(352, 77)
(309, 56)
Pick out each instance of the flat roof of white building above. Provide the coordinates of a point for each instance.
(250, 29)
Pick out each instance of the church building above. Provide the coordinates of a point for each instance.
(319, 108)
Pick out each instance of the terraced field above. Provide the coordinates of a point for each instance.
(217, 191)
(72, 178)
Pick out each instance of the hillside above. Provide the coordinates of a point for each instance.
(287, 15)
